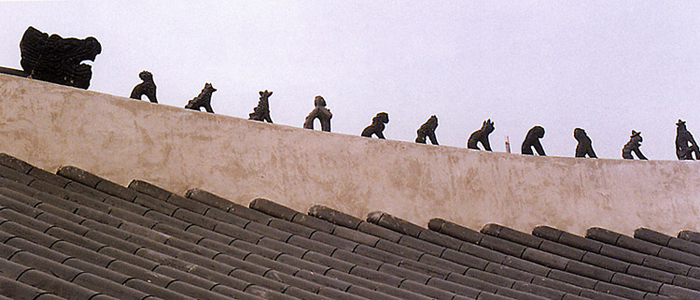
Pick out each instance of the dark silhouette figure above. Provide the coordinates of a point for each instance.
(147, 87)
(633, 146)
(203, 99)
(683, 138)
(58, 60)
(532, 139)
(262, 111)
(428, 130)
(377, 126)
(323, 114)
(585, 146)
(481, 136)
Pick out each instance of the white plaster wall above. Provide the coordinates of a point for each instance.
(121, 139)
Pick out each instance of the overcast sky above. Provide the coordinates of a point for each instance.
(605, 66)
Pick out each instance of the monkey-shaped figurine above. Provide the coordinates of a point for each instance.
(428, 130)
(683, 138)
(585, 145)
(262, 111)
(322, 113)
(633, 146)
(377, 126)
(203, 99)
(532, 139)
(481, 136)
(147, 87)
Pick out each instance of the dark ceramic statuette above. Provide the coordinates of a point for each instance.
(585, 145)
(147, 87)
(58, 60)
(428, 130)
(262, 111)
(481, 136)
(683, 138)
(633, 146)
(203, 99)
(377, 126)
(323, 114)
(532, 139)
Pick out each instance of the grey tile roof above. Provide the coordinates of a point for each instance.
(75, 235)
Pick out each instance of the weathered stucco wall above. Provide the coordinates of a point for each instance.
(122, 139)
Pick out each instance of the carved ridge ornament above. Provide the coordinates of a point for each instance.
(481, 136)
(685, 143)
(377, 126)
(532, 139)
(428, 130)
(203, 99)
(633, 146)
(56, 59)
(147, 87)
(262, 111)
(585, 145)
(321, 113)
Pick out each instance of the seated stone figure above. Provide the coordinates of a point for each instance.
(377, 126)
(147, 87)
(481, 136)
(56, 59)
(532, 139)
(428, 130)
(203, 99)
(633, 146)
(685, 143)
(323, 114)
(585, 145)
(262, 111)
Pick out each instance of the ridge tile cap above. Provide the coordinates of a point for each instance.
(49, 177)
(652, 236)
(273, 208)
(603, 235)
(150, 189)
(399, 225)
(435, 224)
(231, 207)
(315, 223)
(334, 216)
(79, 175)
(116, 190)
(491, 229)
(512, 235)
(547, 232)
(689, 235)
(15, 163)
(458, 231)
(209, 199)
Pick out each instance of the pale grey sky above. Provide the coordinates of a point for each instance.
(605, 66)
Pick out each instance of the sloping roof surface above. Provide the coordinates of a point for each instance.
(74, 235)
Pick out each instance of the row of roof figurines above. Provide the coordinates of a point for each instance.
(60, 60)
(685, 143)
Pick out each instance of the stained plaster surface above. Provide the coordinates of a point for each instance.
(122, 139)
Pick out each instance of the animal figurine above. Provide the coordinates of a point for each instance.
(428, 130)
(56, 59)
(481, 136)
(532, 139)
(147, 87)
(633, 146)
(262, 111)
(320, 111)
(203, 99)
(585, 146)
(683, 138)
(377, 126)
